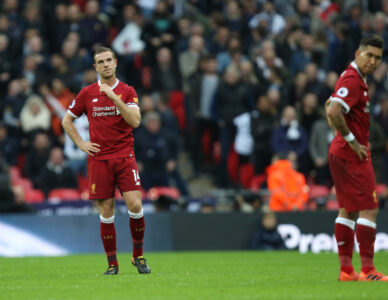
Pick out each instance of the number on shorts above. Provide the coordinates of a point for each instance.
(136, 176)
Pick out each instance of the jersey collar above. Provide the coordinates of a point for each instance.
(113, 86)
(354, 65)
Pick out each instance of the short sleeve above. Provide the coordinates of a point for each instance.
(77, 106)
(347, 93)
(132, 100)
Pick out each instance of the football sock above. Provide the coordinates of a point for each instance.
(344, 234)
(137, 225)
(108, 237)
(366, 235)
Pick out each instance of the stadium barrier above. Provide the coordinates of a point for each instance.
(23, 235)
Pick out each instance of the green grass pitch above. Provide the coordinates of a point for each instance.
(188, 275)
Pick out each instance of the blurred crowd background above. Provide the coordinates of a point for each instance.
(232, 95)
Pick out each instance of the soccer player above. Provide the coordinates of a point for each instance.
(112, 110)
(350, 162)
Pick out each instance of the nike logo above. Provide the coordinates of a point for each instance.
(138, 183)
(95, 100)
(341, 243)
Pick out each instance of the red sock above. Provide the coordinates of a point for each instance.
(344, 235)
(137, 226)
(108, 237)
(366, 235)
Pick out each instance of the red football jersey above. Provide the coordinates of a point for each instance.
(351, 91)
(106, 126)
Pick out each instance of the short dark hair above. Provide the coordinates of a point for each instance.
(373, 40)
(101, 50)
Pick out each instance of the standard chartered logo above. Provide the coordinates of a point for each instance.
(104, 111)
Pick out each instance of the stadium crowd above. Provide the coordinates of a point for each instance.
(240, 82)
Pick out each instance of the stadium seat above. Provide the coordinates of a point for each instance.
(155, 192)
(34, 196)
(25, 183)
(381, 189)
(64, 194)
(246, 172)
(318, 196)
(233, 163)
(316, 191)
(332, 204)
(257, 181)
(14, 173)
(177, 105)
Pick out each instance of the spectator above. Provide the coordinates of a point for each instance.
(5, 64)
(128, 42)
(188, 60)
(320, 139)
(9, 146)
(377, 142)
(37, 157)
(287, 187)
(156, 151)
(272, 22)
(309, 112)
(161, 31)
(267, 236)
(232, 99)
(6, 195)
(59, 99)
(13, 104)
(96, 33)
(263, 121)
(35, 115)
(165, 74)
(58, 27)
(203, 88)
(290, 136)
(302, 57)
(76, 158)
(56, 173)
(327, 88)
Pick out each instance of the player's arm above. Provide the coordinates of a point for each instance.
(328, 119)
(131, 115)
(334, 113)
(86, 146)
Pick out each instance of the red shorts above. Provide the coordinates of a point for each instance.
(354, 182)
(105, 175)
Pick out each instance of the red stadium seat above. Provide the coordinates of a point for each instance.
(25, 183)
(233, 163)
(316, 191)
(155, 192)
(246, 172)
(34, 196)
(177, 105)
(14, 173)
(381, 189)
(332, 204)
(257, 181)
(64, 194)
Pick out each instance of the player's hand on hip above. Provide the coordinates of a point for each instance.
(361, 150)
(90, 148)
(104, 88)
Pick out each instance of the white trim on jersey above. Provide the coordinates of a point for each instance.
(354, 65)
(342, 102)
(72, 114)
(113, 86)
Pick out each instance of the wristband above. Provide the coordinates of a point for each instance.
(350, 137)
